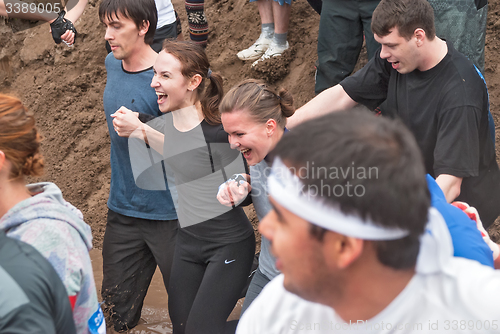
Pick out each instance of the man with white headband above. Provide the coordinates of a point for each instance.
(357, 242)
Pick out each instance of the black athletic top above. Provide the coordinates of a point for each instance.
(201, 159)
(32, 297)
(447, 109)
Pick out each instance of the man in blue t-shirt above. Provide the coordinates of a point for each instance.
(141, 224)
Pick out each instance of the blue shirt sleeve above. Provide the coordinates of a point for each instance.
(467, 240)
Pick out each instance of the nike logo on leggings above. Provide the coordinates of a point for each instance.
(228, 262)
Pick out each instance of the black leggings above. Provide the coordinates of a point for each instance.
(206, 282)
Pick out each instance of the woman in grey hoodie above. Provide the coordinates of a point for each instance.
(38, 215)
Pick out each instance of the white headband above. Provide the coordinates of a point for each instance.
(286, 188)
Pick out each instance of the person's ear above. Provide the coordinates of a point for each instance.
(271, 126)
(341, 250)
(144, 28)
(194, 82)
(419, 35)
(351, 250)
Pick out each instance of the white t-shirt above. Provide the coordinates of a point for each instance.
(463, 298)
(166, 13)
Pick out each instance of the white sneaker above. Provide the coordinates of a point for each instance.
(273, 51)
(256, 50)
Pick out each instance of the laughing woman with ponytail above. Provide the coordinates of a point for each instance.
(215, 243)
(254, 116)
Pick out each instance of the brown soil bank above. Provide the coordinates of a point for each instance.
(64, 86)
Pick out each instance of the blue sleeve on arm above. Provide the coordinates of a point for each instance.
(467, 240)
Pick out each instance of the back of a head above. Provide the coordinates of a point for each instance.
(366, 166)
(138, 11)
(260, 101)
(19, 138)
(194, 61)
(406, 15)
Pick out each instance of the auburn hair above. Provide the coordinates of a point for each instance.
(194, 61)
(19, 138)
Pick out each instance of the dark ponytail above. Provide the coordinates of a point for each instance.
(212, 98)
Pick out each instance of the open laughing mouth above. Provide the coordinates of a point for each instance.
(246, 152)
(161, 97)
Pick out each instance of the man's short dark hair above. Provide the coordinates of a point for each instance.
(406, 15)
(138, 11)
(378, 160)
